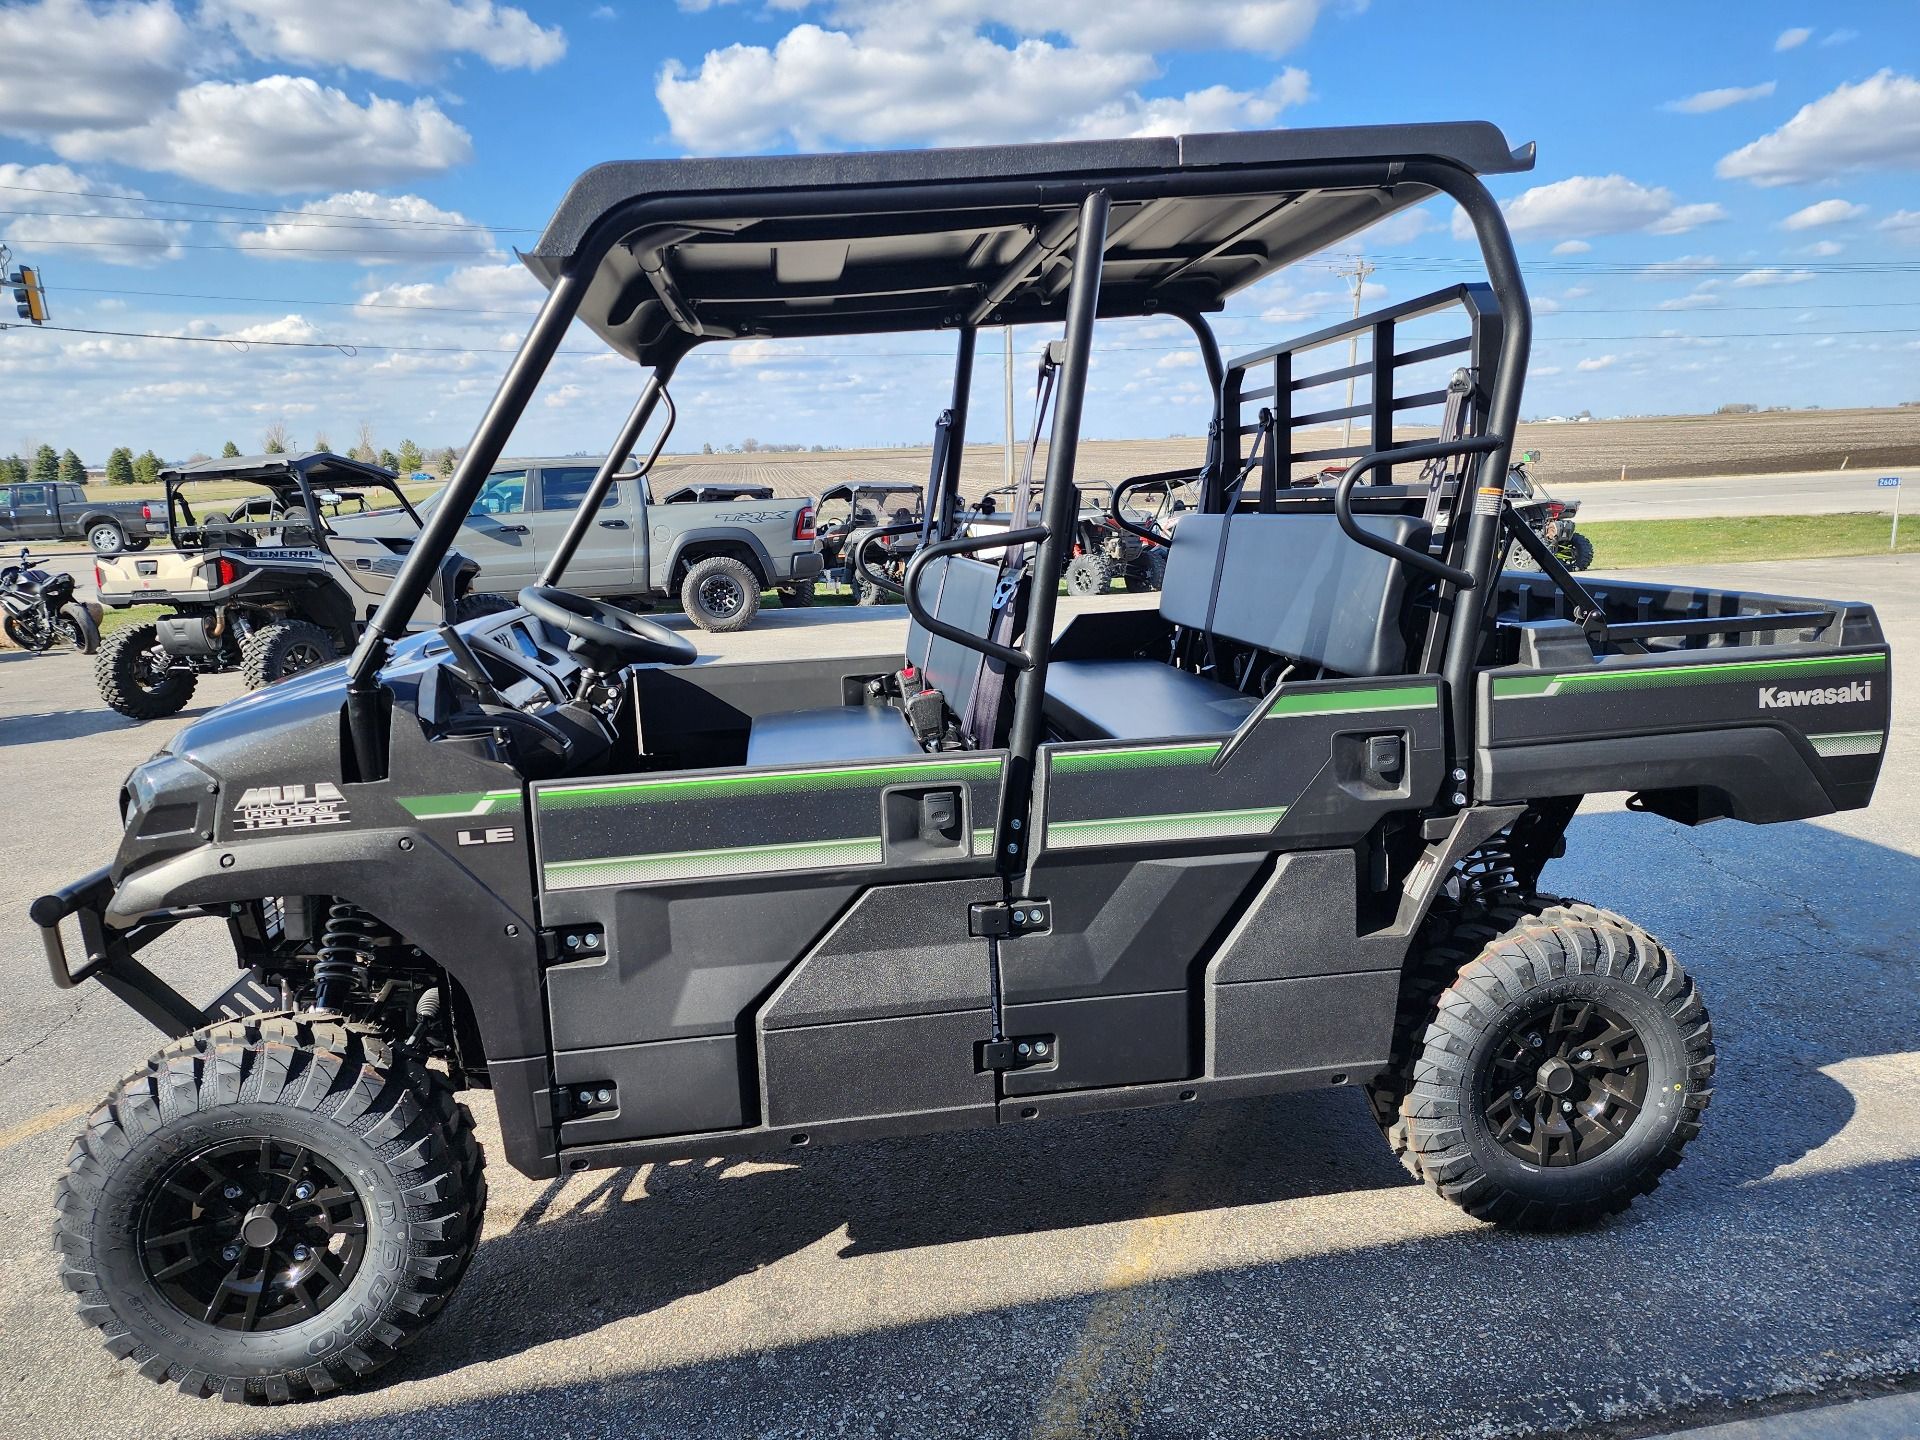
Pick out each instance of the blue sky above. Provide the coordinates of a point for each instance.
(1726, 205)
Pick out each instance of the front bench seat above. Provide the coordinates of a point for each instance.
(961, 592)
(1290, 584)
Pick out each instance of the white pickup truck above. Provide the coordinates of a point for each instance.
(714, 556)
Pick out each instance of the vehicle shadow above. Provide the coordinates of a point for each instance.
(1770, 960)
(50, 725)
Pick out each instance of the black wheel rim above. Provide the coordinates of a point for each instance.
(69, 630)
(151, 669)
(299, 656)
(253, 1234)
(719, 595)
(1565, 1083)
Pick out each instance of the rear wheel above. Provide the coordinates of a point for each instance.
(720, 594)
(270, 1210)
(1559, 1073)
(480, 602)
(138, 678)
(274, 652)
(1149, 572)
(796, 597)
(74, 625)
(106, 537)
(1577, 553)
(1088, 575)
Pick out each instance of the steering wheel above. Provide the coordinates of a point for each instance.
(603, 635)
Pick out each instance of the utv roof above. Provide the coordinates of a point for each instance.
(718, 490)
(796, 245)
(318, 466)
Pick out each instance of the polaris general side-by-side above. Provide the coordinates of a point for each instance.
(271, 584)
(1286, 829)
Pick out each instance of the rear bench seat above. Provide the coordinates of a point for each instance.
(1291, 584)
(960, 592)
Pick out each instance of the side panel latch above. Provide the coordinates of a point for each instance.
(1009, 919)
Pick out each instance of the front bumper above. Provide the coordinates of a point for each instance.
(109, 954)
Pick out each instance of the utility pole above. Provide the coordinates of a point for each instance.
(1006, 332)
(1358, 275)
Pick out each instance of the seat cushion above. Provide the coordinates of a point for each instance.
(1139, 700)
(846, 732)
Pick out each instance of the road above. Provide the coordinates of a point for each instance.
(1824, 492)
(1252, 1269)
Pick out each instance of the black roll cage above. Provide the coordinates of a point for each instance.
(1080, 204)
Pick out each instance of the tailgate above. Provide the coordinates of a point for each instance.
(161, 572)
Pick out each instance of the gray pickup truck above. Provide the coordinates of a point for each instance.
(57, 510)
(714, 556)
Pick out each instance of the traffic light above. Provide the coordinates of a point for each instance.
(30, 293)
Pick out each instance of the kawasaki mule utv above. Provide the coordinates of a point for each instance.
(1284, 830)
(266, 586)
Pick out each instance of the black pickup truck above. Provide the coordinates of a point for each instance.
(61, 511)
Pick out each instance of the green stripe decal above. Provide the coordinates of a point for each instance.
(841, 777)
(460, 806)
(692, 864)
(1133, 757)
(1853, 742)
(1145, 829)
(1355, 702)
(1642, 677)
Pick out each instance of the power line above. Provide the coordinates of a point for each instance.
(354, 250)
(363, 222)
(266, 210)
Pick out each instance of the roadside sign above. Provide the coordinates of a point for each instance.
(1889, 482)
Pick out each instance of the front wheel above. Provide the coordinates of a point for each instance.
(1088, 575)
(477, 603)
(274, 652)
(138, 678)
(720, 594)
(269, 1210)
(106, 537)
(28, 636)
(1560, 1073)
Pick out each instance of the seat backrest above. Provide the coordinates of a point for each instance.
(1295, 585)
(959, 591)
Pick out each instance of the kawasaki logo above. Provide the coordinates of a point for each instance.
(1773, 698)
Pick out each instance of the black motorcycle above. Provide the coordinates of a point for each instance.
(38, 610)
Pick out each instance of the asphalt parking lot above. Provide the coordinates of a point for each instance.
(1259, 1269)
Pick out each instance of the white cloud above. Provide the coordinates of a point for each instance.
(1572, 247)
(1702, 297)
(476, 289)
(280, 134)
(760, 352)
(287, 327)
(1793, 39)
(1772, 275)
(1583, 205)
(1821, 249)
(1598, 362)
(116, 231)
(1838, 37)
(1707, 101)
(400, 226)
(65, 65)
(1872, 125)
(1823, 212)
(400, 39)
(889, 72)
(1902, 225)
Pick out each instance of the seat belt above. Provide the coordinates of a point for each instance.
(1231, 497)
(990, 679)
(1453, 426)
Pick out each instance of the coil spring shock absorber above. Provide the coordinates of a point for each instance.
(346, 955)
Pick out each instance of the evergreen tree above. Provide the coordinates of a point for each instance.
(146, 469)
(410, 458)
(229, 451)
(72, 472)
(120, 467)
(390, 460)
(447, 461)
(46, 466)
(13, 471)
(320, 441)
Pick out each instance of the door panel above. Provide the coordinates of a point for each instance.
(34, 517)
(706, 887)
(604, 563)
(498, 535)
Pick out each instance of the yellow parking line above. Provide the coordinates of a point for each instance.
(43, 1122)
(1101, 1388)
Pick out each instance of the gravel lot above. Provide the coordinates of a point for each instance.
(1254, 1269)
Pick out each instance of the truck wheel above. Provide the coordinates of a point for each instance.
(1561, 1071)
(106, 537)
(720, 594)
(74, 624)
(1577, 553)
(269, 1210)
(137, 678)
(1089, 575)
(274, 652)
(796, 597)
(477, 603)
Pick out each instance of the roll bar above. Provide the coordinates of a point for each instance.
(1127, 487)
(1372, 460)
(857, 542)
(967, 545)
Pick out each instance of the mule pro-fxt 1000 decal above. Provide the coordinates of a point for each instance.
(656, 828)
(1172, 790)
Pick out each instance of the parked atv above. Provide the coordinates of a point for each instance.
(267, 586)
(40, 611)
(844, 510)
(1550, 519)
